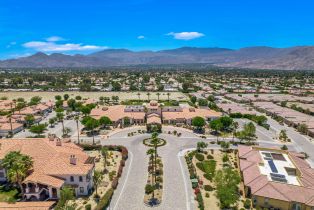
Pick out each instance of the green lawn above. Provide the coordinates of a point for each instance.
(8, 195)
(209, 166)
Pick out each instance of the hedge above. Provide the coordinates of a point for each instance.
(105, 200)
(199, 156)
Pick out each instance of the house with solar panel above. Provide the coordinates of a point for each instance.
(277, 179)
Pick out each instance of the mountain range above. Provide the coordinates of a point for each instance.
(293, 58)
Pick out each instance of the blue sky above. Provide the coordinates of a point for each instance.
(81, 26)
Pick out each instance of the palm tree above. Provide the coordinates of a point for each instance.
(104, 152)
(155, 141)
(148, 94)
(101, 99)
(168, 94)
(139, 96)
(17, 167)
(151, 153)
(60, 117)
(10, 121)
(97, 178)
(77, 118)
(91, 124)
(158, 94)
(66, 194)
(235, 126)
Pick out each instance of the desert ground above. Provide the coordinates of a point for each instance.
(95, 95)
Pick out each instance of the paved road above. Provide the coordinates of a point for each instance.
(130, 193)
(300, 143)
(178, 194)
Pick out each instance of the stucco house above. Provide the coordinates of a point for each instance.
(277, 179)
(57, 163)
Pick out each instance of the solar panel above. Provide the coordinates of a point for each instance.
(272, 166)
(278, 178)
(278, 175)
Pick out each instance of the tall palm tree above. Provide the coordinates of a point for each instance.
(104, 152)
(10, 121)
(77, 118)
(168, 94)
(17, 167)
(60, 117)
(235, 126)
(151, 153)
(155, 141)
(158, 94)
(14, 101)
(97, 179)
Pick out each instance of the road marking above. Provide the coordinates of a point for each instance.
(180, 154)
(126, 178)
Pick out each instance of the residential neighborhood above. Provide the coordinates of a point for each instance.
(78, 143)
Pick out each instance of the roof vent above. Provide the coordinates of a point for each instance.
(58, 142)
(73, 159)
(51, 137)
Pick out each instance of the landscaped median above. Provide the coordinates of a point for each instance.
(215, 179)
(109, 163)
(154, 186)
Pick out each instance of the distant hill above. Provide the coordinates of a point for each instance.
(294, 58)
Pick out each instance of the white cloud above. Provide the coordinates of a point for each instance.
(55, 47)
(186, 35)
(141, 37)
(54, 39)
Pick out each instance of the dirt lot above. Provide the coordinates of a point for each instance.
(95, 95)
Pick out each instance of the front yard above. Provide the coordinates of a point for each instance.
(215, 179)
(110, 167)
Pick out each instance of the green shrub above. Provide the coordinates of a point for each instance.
(88, 207)
(247, 204)
(200, 166)
(90, 147)
(194, 185)
(208, 188)
(199, 156)
(105, 200)
(149, 189)
(209, 177)
(200, 201)
(159, 179)
(207, 195)
(225, 158)
(210, 157)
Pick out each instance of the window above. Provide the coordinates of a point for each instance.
(2, 174)
(81, 189)
(254, 200)
(71, 179)
(296, 206)
(266, 201)
(81, 178)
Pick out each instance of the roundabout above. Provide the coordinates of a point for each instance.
(177, 193)
(150, 142)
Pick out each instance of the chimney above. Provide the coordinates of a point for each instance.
(72, 159)
(58, 142)
(51, 137)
